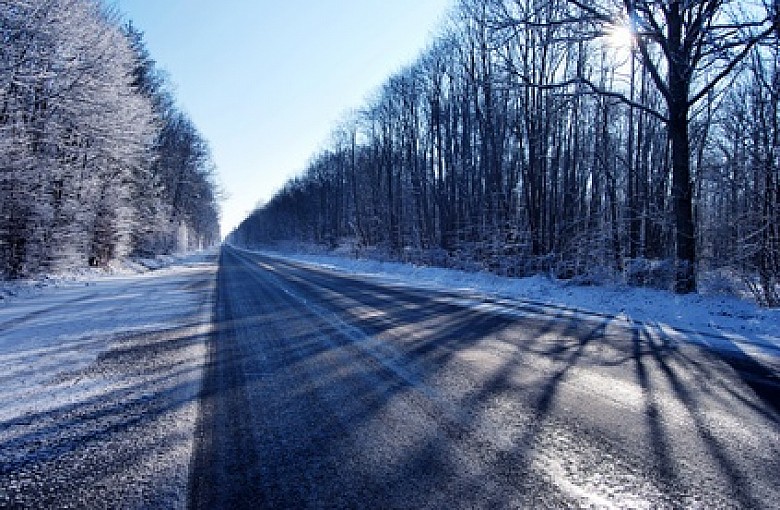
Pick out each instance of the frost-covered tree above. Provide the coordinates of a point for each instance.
(80, 111)
(177, 196)
(76, 129)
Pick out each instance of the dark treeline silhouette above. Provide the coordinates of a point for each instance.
(96, 160)
(637, 140)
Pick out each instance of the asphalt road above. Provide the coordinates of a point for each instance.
(325, 390)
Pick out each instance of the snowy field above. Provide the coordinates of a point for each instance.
(718, 321)
(99, 382)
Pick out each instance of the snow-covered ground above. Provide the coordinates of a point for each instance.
(11, 290)
(695, 317)
(99, 383)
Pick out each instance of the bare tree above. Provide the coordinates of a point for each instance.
(519, 142)
(689, 49)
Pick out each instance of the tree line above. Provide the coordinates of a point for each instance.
(97, 161)
(637, 139)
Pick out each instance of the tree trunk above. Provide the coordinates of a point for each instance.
(679, 80)
(682, 196)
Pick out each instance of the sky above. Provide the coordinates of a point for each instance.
(266, 82)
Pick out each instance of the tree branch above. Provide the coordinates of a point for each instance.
(622, 98)
(731, 65)
(592, 11)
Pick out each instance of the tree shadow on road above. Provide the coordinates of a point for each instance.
(357, 394)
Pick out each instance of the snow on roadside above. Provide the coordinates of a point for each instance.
(35, 286)
(99, 384)
(726, 316)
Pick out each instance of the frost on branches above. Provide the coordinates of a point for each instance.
(86, 174)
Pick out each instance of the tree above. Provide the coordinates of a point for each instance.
(523, 141)
(689, 48)
(81, 106)
(75, 128)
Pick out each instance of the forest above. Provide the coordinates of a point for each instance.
(97, 161)
(630, 140)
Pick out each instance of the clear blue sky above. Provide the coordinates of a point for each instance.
(267, 81)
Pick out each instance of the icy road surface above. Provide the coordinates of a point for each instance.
(99, 387)
(325, 390)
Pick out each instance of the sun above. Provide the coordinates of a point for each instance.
(620, 37)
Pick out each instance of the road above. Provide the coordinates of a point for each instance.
(325, 390)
